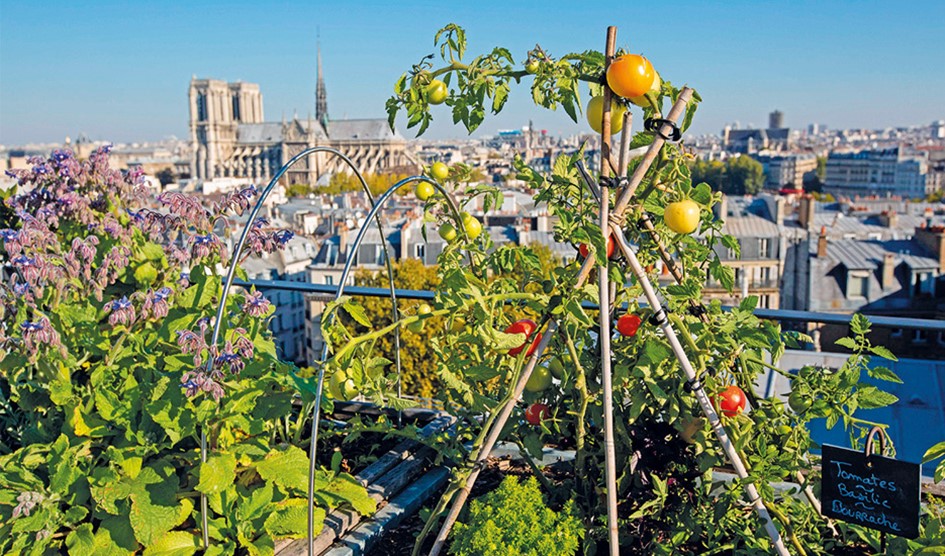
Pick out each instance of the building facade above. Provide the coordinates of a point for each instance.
(232, 139)
(876, 172)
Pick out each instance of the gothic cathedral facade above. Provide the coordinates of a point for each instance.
(231, 138)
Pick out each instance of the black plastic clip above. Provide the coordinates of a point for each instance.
(692, 385)
(608, 181)
(641, 223)
(697, 310)
(659, 317)
(655, 125)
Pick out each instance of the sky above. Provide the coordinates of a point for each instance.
(119, 71)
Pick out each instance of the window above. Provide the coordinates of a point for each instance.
(329, 280)
(924, 284)
(420, 251)
(236, 107)
(857, 284)
(763, 248)
(201, 107)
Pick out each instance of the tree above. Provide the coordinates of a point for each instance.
(740, 175)
(298, 190)
(744, 176)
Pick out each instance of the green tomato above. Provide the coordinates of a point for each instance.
(439, 171)
(436, 92)
(341, 387)
(532, 66)
(425, 190)
(539, 381)
(471, 226)
(798, 402)
(556, 367)
(447, 232)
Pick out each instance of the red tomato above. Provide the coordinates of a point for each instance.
(536, 413)
(584, 250)
(527, 327)
(628, 324)
(731, 401)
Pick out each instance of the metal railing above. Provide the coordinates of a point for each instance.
(783, 315)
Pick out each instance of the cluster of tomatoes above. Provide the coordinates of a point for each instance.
(448, 231)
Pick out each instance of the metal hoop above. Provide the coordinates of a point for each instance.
(231, 271)
(319, 391)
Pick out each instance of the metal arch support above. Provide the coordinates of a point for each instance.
(231, 271)
(319, 390)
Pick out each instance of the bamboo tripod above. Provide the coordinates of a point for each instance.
(611, 223)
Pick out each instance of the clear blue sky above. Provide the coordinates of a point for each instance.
(119, 71)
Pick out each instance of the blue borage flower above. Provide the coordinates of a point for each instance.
(122, 311)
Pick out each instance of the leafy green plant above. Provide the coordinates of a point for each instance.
(669, 500)
(513, 520)
(107, 376)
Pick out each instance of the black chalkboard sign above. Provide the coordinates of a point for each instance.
(876, 492)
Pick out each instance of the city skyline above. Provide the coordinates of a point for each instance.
(120, 72)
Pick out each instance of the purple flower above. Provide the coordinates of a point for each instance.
(229, 359)
(122, 311)
(191, 342)
(199, 381)
(244, 346)
(155, 302)
(26, 502)
(256, 305)
(282, 237)
(202, 246)
(38, 333)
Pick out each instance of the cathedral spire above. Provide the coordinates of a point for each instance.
(321, 98)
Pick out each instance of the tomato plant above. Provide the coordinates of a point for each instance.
(471, 226)
(666, 451)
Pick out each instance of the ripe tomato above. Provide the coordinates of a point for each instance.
(595, 115)
(424, 191)
(439, 171)
(471, 225)
(556, 367)
(539, 381)
(628, 324)
(630, 75)
(731, 401)
(527, 327)
(583, 249)
(536, 413)
(448, 232)
(682, 217)
(655, 89)
(436, 92)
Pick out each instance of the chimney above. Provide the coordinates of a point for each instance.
(933, 239)
(721, 209)
(806, 212)
(822, 243)
(889, 218)
(888, 271)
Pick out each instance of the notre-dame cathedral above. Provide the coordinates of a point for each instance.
(231, 138)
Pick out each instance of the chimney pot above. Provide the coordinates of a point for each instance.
(822, 243)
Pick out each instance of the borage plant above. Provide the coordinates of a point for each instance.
(108, 375)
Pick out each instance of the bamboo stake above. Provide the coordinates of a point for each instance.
(479, 460)
(603, 279)
(753, 496)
